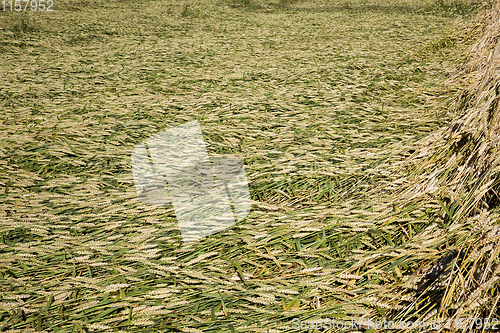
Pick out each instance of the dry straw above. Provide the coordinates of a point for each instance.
(458, 168)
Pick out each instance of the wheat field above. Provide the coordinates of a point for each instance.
(368, 130)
